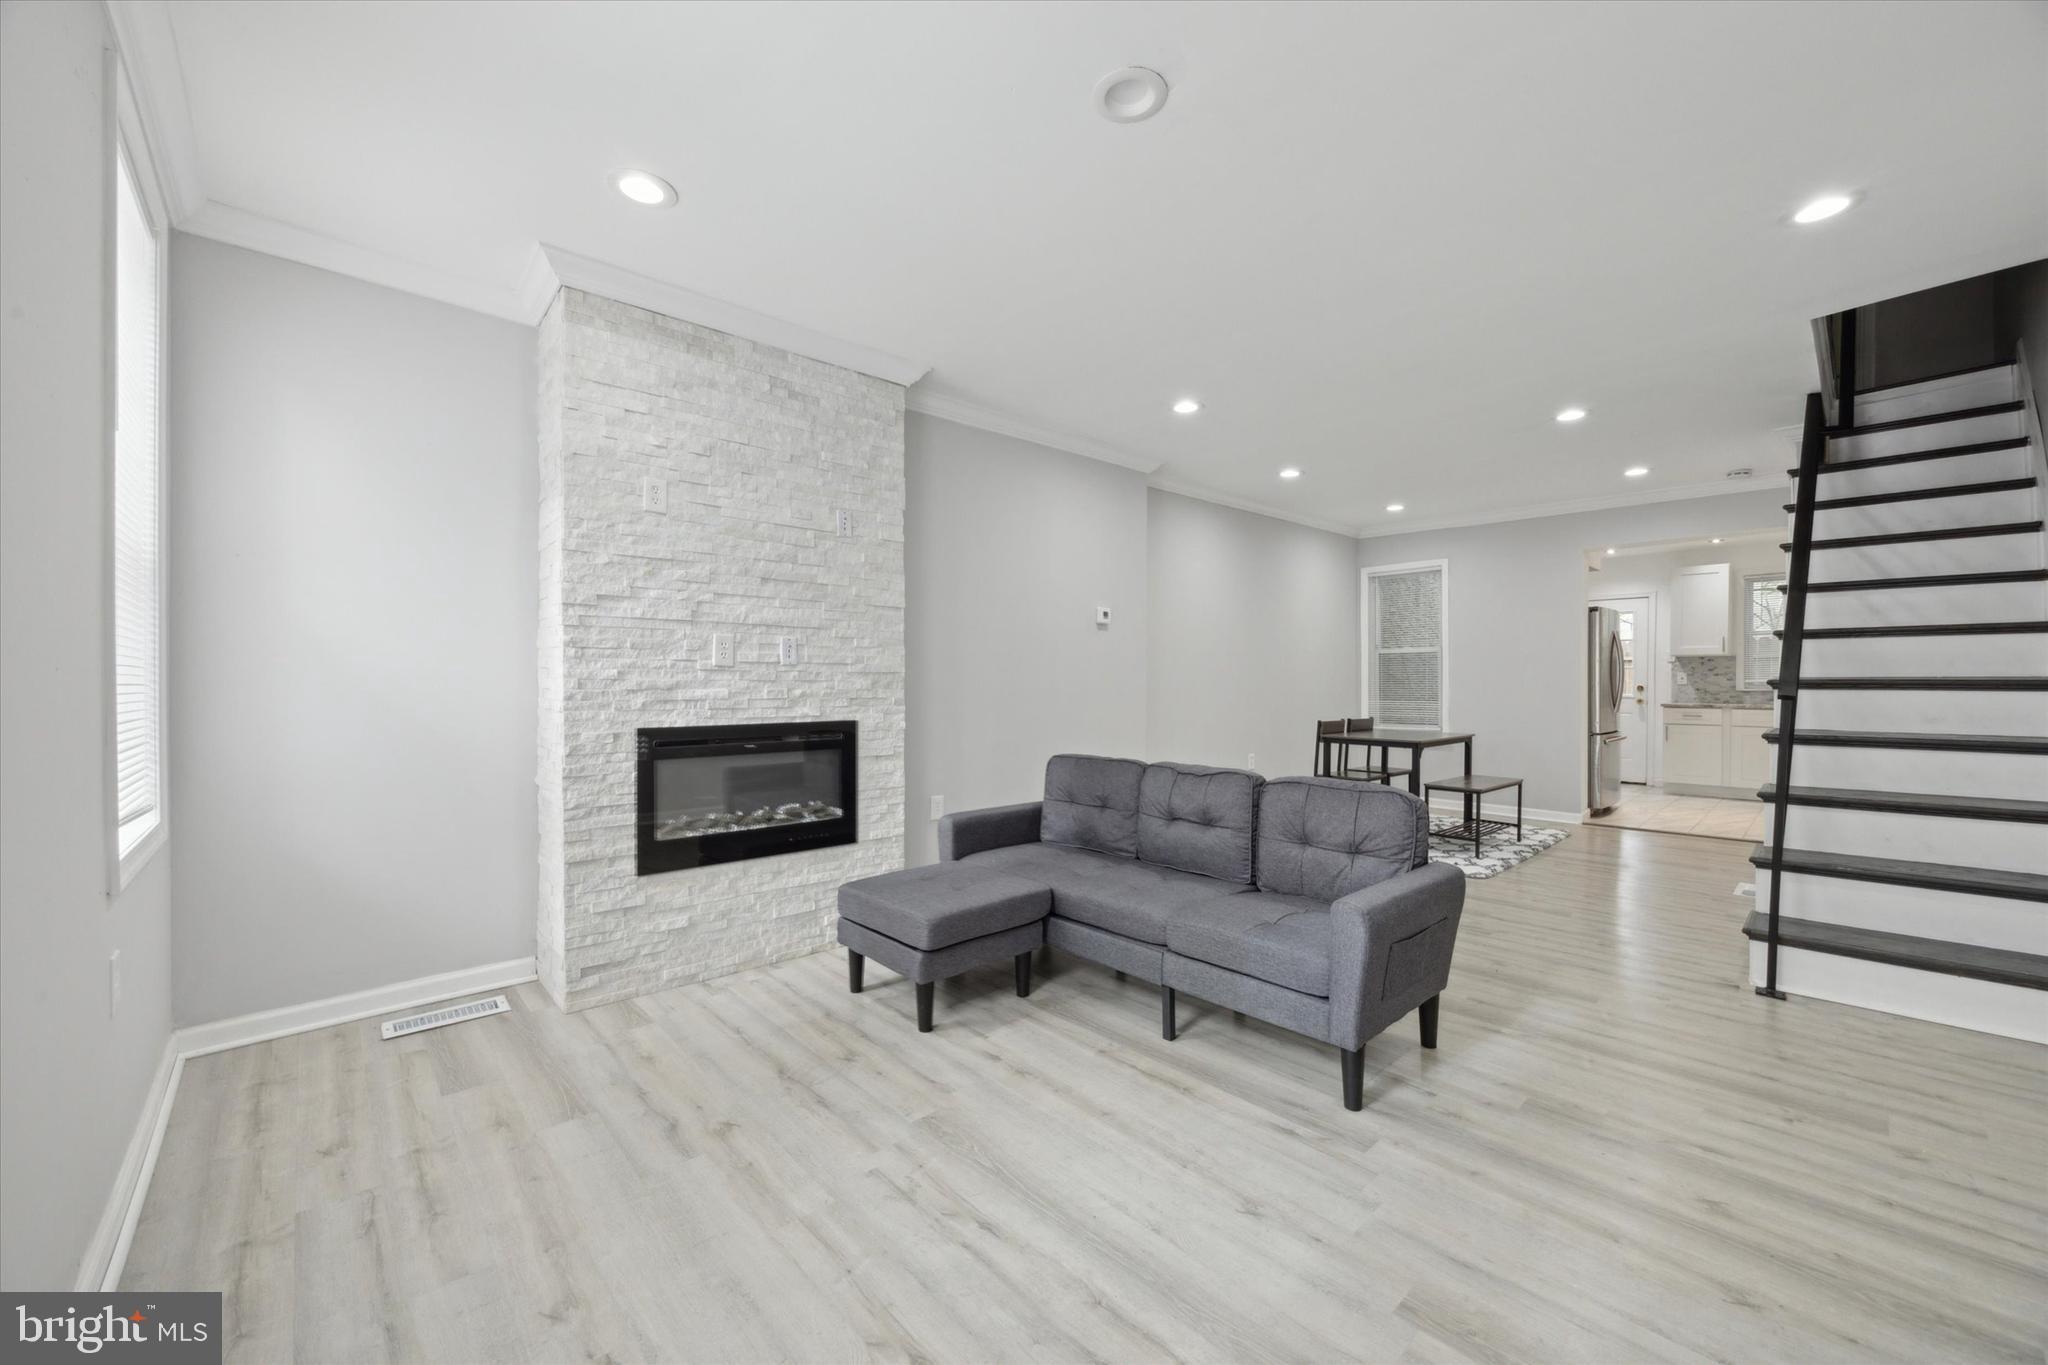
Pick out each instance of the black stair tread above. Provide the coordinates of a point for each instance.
(2009, 683)
(1928, 419)
(1915, 456)
(1926, 580)
(1906, 739)
(1913, 803)
(2003, 528)
(1949, 490)
(1975, 881)
(1930, 378)
(1904, 950)
(1931, 628)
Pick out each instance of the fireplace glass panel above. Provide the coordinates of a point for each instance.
(715, 794)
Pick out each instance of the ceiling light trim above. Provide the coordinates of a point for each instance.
(673, 300)
(973, 414)
(1718, 488)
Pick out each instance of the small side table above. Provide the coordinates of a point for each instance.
(1473, 787)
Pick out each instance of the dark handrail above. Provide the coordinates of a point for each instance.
(1813, 444)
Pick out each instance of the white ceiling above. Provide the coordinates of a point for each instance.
(1381, 242)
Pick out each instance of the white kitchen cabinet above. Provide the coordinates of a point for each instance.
(1751, 762)
(1701, 610)
(1694, 747)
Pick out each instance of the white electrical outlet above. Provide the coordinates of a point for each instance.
(721, 651)
(844, 520)
(1252, 761)
(114, 984)
(938, 806)
(654, 495)
(785, 650)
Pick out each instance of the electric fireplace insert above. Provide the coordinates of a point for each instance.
(720, 793)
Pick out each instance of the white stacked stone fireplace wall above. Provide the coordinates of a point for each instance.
(761, 450)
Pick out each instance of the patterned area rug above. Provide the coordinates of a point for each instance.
(1497, 854)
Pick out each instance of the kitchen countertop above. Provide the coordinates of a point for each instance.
(1717, 706)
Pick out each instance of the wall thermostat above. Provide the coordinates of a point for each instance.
(1102, 616)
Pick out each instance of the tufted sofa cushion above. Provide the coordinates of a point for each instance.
(1326, 838)
(1092, 802)
(1199, 819)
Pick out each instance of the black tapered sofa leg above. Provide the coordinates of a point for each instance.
(924, 1005)
(854, 962)
(1353, 1059)
(1428, 1016)
(1166, 1028)
(1023, 973)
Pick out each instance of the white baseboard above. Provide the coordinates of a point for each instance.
(201, 1039)
(1451, 805)
(108, 1249)
(107, 1254)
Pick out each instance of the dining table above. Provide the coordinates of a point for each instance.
(1334, 749)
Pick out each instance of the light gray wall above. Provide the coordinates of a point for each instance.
(72, 1080)
(1517, 610)
(353, 498)
(1254, 635)
(1009, 547)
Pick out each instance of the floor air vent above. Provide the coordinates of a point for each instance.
(454, 1014)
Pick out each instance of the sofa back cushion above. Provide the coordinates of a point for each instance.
(1092, 803)
(1326, 838)
(1199, 819)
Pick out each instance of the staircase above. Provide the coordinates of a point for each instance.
(1907, 868)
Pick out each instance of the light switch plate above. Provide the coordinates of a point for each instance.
(938, 806)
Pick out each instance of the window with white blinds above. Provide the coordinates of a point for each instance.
(1404, 649)
(1763, 614)
(138, 541)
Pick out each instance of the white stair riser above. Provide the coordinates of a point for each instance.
(1977, 554)
(1932, 436)
(1893, 478)
(1941, 395)
(1920, 514)
(1927, 656)
(2007, 845)
(1961, 1001)
(1960, 713)
(1921, 606)
(1941, 772)
(1988, 921)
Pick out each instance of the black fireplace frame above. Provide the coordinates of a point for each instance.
(673, 855)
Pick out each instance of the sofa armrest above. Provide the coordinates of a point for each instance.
(977, 831)
(1390, 949)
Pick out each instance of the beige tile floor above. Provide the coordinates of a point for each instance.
(1711, 816)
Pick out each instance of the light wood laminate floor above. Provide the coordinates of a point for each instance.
(1617, 1154)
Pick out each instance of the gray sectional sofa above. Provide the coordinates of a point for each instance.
(1308, 902)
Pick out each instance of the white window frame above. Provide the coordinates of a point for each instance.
(1743, 637)
(126, 139)
(1365, 650)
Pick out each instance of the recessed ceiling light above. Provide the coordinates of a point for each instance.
(1825, 207)
(1717, 540)
(1610, 549)
(1130, 94)
(1572, 415)
(644, 188)
(1397, 507)
(1290, 473)
(1635, 471)
(1187, 406)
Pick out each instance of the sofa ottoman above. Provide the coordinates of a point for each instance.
(933, 922)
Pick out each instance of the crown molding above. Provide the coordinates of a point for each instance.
(538, 285)
(671, 300)
(239, 227)
(156, 79)
(1719, 488)
(1006, 424)
(1201, 494)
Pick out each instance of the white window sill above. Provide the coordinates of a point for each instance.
(127, 865)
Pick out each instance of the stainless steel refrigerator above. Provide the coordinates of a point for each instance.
(1604, 677)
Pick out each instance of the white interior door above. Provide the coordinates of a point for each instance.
(1638, 650)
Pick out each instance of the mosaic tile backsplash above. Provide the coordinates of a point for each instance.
(1709, 680)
